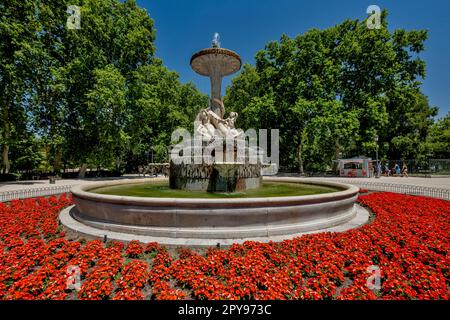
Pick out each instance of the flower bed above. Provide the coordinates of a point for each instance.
(408, 243)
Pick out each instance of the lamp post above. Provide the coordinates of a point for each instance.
(377, 164)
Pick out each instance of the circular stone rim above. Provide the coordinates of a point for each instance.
(362, 217)
(200, 220)
(82, 191)
(217, 51)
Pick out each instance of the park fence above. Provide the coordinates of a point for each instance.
(424, 168)
(439, 193)
(33, 193)
(440, 167)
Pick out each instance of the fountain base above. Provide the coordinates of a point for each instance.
(217, 177)
(198, 221)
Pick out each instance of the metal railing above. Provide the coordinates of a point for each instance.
(432, 192)
(33, 192)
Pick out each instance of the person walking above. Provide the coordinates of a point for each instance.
(405, 171)
(387, 171)
(397, 169)
(371, 170)
(378, 171)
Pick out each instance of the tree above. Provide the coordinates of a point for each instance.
(48, 106)
(107, 118)
(89, 96)
(112, 34)
(409, 130)
(330, 92)
(17, 34)
(438, 140)
(27, 154)
(158, 104)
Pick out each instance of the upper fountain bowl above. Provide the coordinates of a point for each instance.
(211, 60)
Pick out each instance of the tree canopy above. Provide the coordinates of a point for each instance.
(98, 96)
(332, 91)
(94, 96)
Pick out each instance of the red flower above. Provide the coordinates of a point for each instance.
(407, 242)
(134, 249)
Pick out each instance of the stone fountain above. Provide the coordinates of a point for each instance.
(229, 166)
(233, 166)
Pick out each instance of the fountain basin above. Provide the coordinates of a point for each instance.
(201, 220)
(220, 61)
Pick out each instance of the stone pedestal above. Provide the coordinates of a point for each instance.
(217, 177)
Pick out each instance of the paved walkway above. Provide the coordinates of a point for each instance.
(40, 188)
(441, 183)
(37, 184)
(433, 187)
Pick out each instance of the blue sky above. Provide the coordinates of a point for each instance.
(245, 26)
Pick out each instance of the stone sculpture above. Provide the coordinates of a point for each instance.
(210, 125)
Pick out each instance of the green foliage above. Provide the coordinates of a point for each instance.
(98, 96)
(114, 40)
(93, 96)
(330, 92)
(157, 105)
(17, 34)
(27, 154)
(438, 140)
(106, 117)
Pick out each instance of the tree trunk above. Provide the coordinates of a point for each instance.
(5, 158)
(5, 153)
(83, 169)
(300, 160)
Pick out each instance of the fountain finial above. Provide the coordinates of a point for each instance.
(216, 40)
